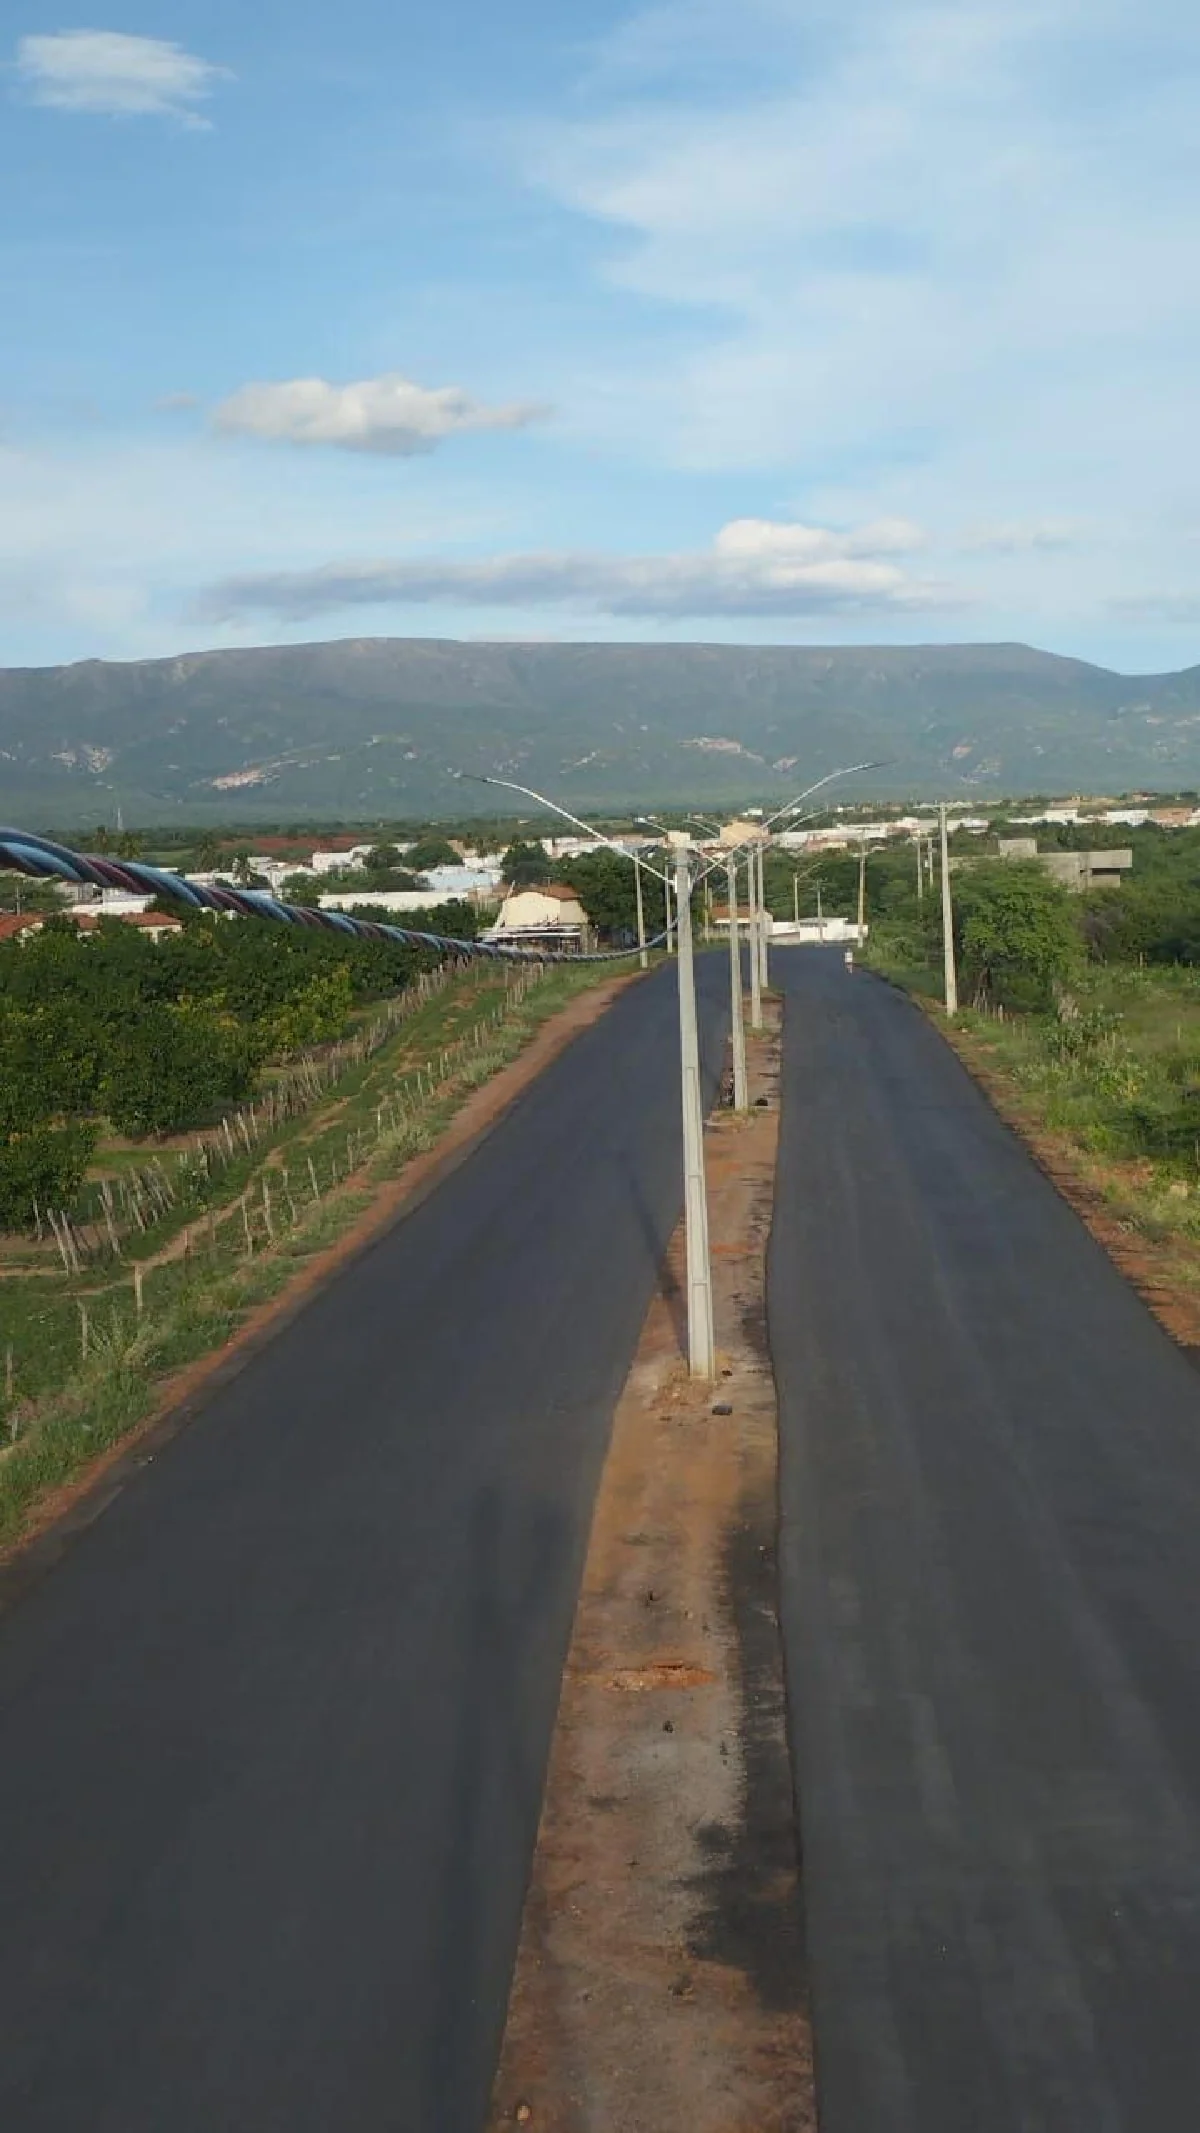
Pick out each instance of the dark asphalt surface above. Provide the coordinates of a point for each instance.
(273, 1733)
(991, 1605)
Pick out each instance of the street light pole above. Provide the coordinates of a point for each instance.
(862, 890)
(764, 970)
(947, 919)
(737, 1024)
(701, 1345)
(702, 1360)
(643, 958)
(652, 822)
(756, 1014)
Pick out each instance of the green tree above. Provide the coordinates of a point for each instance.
(18, 892)
(303, 889)
(607, 889)
(457, 920)
(431, 852)
(526, 863)
(1019, 934)
(177, 1067)
(42, 1167)
(316, 1014)
(385, 869)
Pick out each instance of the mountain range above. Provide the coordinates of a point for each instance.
(371, 728)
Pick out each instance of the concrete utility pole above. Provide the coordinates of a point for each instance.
(643, 958)
(764, 968)
(796, 900)
(862, 890)
(667, 903)
(947, 919)
(737, 1025)
(820, 917)
(920, 872)
(702, 1359)
(756, 1013)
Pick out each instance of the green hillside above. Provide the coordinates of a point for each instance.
(370, 726)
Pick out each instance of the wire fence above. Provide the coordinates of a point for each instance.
(109, 1211)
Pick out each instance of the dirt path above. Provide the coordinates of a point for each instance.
(660, 1983)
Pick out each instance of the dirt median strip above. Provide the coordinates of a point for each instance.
(64, 1511)
(660, 1982)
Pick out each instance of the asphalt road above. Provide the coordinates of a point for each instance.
(991, 1605)
(273, 1733)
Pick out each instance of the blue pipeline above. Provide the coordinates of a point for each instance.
(22, 852)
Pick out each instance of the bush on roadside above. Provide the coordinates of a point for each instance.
(178, 1067)
(42, 1167)
(1019, 939)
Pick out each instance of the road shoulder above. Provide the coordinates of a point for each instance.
(1164, 1269)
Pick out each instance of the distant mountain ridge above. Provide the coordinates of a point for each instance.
(368, 727)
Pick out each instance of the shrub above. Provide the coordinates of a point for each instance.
(1019, 937)
(43, 1166)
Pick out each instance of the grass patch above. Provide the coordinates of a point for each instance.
(1114, 1081)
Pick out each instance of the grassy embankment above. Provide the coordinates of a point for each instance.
(82, 1363)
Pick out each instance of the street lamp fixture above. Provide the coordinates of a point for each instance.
(476, 777)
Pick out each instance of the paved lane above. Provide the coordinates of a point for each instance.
(273, 1734)
(991, 1564)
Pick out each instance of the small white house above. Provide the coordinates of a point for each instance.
(549, 913)
(340, 862)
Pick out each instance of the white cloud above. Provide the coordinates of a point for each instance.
(754, 567)
(905, 239)
(770, 541)
(175, 403)
(110, 72)
(388, 414)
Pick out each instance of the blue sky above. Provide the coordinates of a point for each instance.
(850, 321)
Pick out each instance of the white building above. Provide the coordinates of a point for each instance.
(340, 862)
(111, 903)
(385, 900)
(549, 913)
(816, 933)
(479, 884)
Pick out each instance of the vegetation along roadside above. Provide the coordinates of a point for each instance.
(1082, 1022)
(94, 1322)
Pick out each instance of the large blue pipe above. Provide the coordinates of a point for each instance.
(22, 852)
